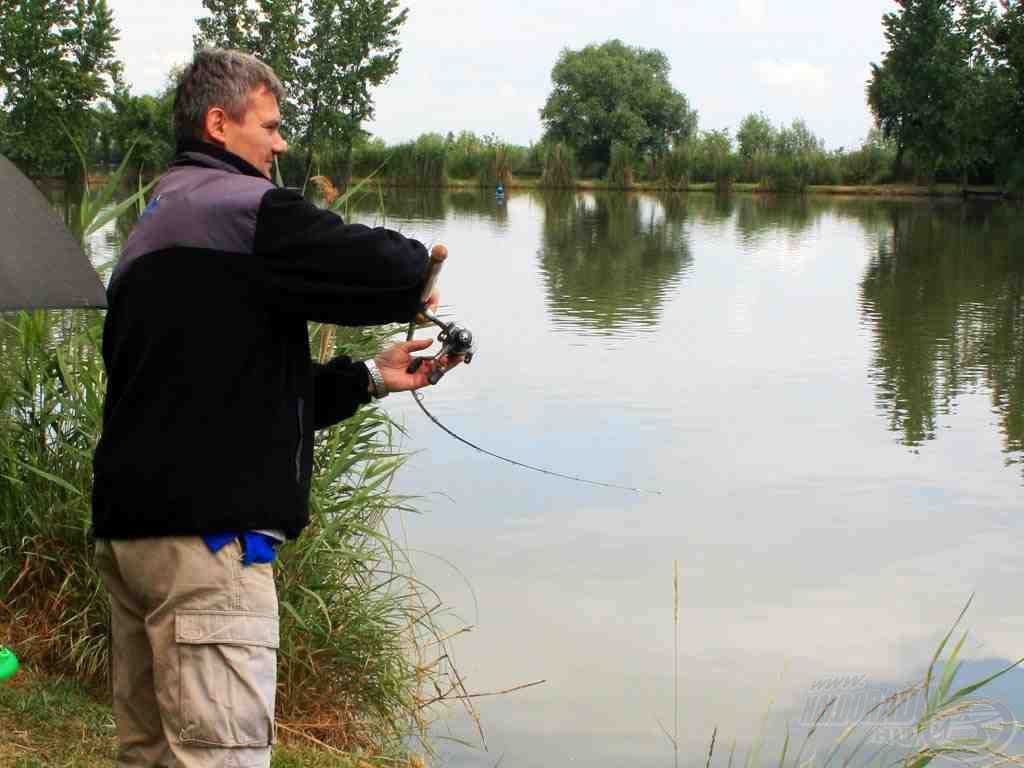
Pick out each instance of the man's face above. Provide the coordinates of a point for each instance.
(257, 136)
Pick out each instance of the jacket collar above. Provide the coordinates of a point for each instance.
(202, 153)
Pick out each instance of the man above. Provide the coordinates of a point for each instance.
(212, 400)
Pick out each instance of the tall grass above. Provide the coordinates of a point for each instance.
(357, 626)
(559, 167)
(676, 167)
(496, 166)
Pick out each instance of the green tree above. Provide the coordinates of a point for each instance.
(933, 91)
(56, 60)
(756, 139)
(329, 54)
(912, 93)
(1007, 40)
(231, 24)
(353, 47)
(615, 93)
(143, 122)
(270, 29)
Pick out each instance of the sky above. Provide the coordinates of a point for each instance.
(486, 66)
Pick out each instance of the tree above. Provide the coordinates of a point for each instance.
(1007, 37)
(143, 122)
(56, 60)
(926, 92)
(756, 135)
(270, 29)
(328, 54)
(756, 140)
(615, 93)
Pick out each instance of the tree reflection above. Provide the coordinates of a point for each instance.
(423, 204)
(610, 259)
(943, 297)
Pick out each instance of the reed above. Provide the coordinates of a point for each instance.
(939, 702)
(677, 167)
(496, 166)
(559, 167)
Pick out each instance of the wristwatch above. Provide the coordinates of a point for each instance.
(380, 389)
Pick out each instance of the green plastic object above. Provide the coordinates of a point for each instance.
(8, 663)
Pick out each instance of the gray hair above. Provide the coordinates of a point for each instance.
(218, 77)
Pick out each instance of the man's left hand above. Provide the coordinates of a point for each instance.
(394, 361)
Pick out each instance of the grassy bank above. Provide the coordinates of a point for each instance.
(57, 721)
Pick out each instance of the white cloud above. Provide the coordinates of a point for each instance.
(791, 74)
(752, 12)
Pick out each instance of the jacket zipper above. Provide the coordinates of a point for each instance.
(298, 448)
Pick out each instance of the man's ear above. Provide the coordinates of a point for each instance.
(216, 117)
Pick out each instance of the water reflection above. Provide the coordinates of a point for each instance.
(611, 259)
(800, 526)
(942, 295)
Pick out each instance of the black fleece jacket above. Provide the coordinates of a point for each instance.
(212, 396)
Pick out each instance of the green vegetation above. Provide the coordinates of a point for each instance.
(948, 92)
(328, 54)
(614, 94)
(56, 59)
(57, 721)
(559, 167)
(948, 98)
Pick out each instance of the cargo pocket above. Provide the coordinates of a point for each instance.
(227, 666)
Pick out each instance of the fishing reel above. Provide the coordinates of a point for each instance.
(456, 341)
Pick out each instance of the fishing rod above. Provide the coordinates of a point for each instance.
(457, 343)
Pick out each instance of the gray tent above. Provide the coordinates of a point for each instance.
(41, 264)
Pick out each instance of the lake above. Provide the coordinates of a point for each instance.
(823, 402)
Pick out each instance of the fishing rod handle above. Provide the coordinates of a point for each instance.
(438, 254)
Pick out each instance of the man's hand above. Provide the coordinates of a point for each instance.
(394, 361)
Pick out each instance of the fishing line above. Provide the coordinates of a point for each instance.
(419, 401)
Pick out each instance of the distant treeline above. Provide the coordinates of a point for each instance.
(947, 98)
(784, 158)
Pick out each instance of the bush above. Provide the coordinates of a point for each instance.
(788, 173)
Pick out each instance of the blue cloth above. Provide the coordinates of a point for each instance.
(256, 547)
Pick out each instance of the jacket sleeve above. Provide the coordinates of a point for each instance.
(339, 388)
(310, 263)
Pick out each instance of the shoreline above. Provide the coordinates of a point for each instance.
(945, 190)
(865, 190)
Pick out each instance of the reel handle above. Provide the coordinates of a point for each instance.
(438, 254)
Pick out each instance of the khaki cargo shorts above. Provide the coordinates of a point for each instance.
(193, 653)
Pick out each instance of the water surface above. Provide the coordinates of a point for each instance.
(826, 393)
